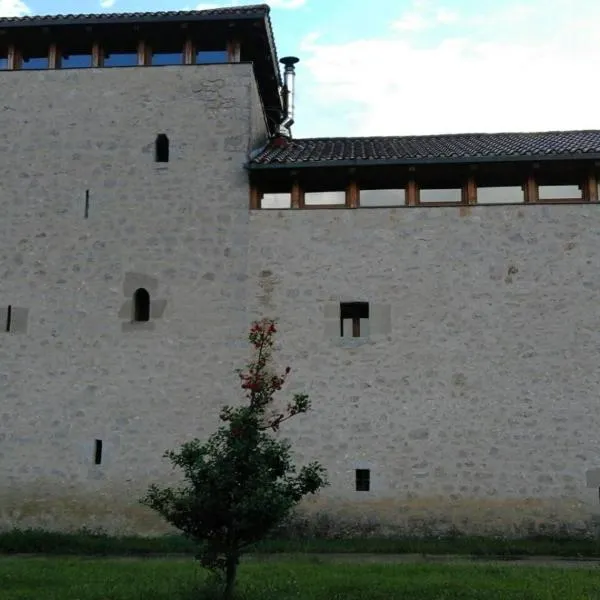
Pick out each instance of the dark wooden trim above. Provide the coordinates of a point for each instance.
(53, 56)
(188, 52)
(470, 191)
(233, 51)
(97, 55)
(144, 54)
(14, 58)
(590, 190)
(255, 197)
(297, 196)
(531, 190)
(412, 193)
(353, 195)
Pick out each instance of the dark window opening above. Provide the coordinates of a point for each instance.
(121, 58)
(161, 148)
(353, 312)
(76, 61)
(141, 305)
(363, 480)
(8, 318)
(35, 62)
(98, 452)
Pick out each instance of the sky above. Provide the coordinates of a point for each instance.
(410, 67)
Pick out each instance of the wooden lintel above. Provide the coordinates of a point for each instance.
(188, 52)
(255, 197)
(531, 189)
(352, 195)
(53, 57)
(97, 55)
(590, 191)
(297, 195)
(470, 191)
(412, 193)
(233, 51)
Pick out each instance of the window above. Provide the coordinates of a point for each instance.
(505, 194)
(3, 62)
(325, 198)
(8, 323)
(560, 192)
(427, 196)
(382, 197)
(141, 305)
(204, 57)
(363, 480)
(121, 58)
(351, 314)
(167, 58)
(76, 61)
(98, 452)
(35, 62)
(276, 201)
(161, 148)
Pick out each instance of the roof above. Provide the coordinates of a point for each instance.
(236, 12)
(464, 147)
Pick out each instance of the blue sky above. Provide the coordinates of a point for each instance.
(393, 67)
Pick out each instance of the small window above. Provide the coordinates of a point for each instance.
(363, 480)
(98, 452)
(276, 201)
(506, 194)
(76, 61)
(324, 198)
(427, 196)
(141, 305)
(382, 197)
(35, 62)
(161, 148)
(204, 57)
(8, 323)
(351, 314)
(559, 192)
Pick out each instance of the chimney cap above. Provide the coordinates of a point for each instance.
(289, 61)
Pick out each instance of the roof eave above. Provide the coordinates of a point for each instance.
(252, 166)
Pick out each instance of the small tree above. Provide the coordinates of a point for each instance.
(241, 482)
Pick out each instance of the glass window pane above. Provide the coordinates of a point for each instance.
(167, 58)
(276, 201)
(35, 62)
(512, 194)
(318, 198)
(382, 197)
(3, 62)
(211, 56)
(76, 61)
(551, 192)
(120, 59)
(440, 195)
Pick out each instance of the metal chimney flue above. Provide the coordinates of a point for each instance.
(288, 92)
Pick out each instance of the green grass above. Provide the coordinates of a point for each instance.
(97, 544)
(142, 579)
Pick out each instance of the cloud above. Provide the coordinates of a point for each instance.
(107, 3)
(422, 16)
(289, 4)
(13, 8)
(462, 81)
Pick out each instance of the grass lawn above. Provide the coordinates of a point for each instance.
(150, 579)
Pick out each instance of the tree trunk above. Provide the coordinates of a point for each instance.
(230, 575)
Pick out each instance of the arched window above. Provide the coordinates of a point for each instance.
(161, 148)
(141, 305)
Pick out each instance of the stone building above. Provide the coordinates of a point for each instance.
(437, 296)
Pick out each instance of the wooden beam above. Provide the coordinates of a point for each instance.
(188, 52)
(531, 190)
(590, 190)
(297, 195)
(470, 191)
(352, 195)
(233, 51)
(97, 55)
(53, 57)
(14, 58)
(255, 197)
(144, 54)
(412, 193)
